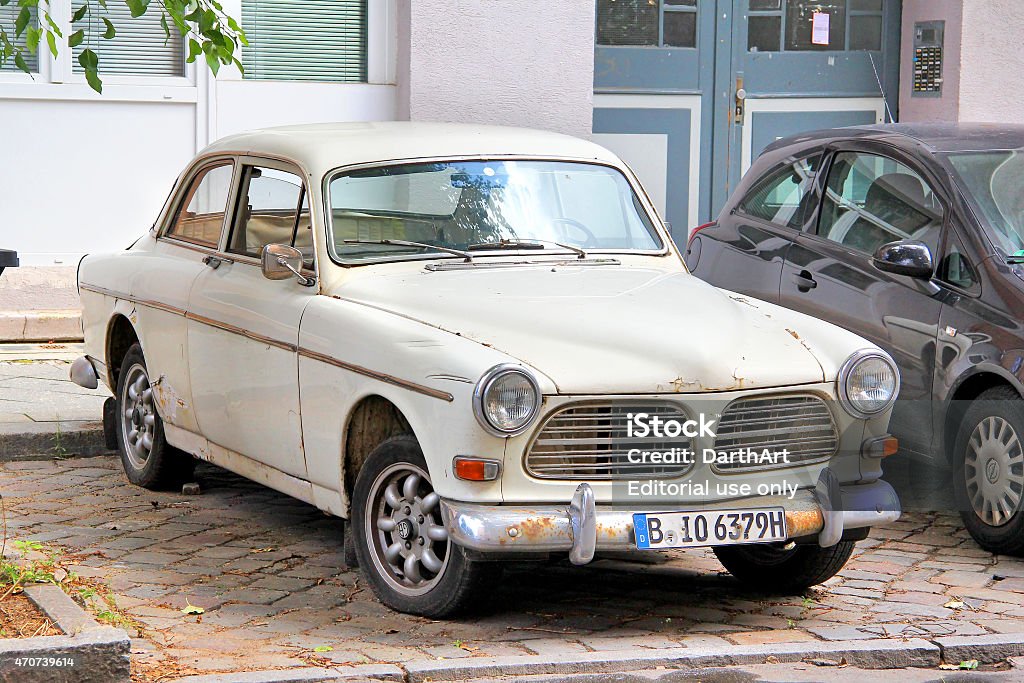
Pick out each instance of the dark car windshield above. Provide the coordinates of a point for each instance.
(995, 182)
(469, 205)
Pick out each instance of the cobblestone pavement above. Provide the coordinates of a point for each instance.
(266, 570)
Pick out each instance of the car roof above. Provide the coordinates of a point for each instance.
(934, 137)
(325, 146)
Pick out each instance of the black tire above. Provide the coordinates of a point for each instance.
(460, 581)
(1003, 534)
(770, 569)
(165, 466)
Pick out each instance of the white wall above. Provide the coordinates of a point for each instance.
(499, 61)
(992, 61)
(946, 107)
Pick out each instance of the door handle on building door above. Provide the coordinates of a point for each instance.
(741, 98)
(804, 281)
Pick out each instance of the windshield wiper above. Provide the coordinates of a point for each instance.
(405, 243)
(525, 244)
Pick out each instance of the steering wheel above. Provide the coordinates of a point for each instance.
(590, 241)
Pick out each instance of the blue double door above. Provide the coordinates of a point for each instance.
(689, 92)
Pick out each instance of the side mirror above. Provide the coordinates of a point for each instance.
(905, 257)
(280, 262)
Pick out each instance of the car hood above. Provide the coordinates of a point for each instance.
(603, 329)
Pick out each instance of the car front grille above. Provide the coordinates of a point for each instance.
(801, 424)
(590, 441)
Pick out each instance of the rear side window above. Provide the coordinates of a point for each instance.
(201, 215)
(784, 195)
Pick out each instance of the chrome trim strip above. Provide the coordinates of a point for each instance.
(373, 374)
(308, 353)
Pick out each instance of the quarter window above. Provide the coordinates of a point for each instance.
(956, 268)
(305, 40)
(272, 209)
(784, 196)
(201, 216)
(647, 23)
(871, 200)
(139, 47)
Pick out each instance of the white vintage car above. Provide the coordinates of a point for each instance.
(479, 344)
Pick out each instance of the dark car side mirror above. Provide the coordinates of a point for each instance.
(905, 257)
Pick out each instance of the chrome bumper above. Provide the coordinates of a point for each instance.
(582, 527)
(83, 373)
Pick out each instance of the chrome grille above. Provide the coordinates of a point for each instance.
(801, 424)
(590, 441)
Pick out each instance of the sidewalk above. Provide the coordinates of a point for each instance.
(41, 411)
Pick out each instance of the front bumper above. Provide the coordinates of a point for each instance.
(582, 527)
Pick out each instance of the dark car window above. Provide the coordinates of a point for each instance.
(871, 200)
(784, 194)
(955, 267)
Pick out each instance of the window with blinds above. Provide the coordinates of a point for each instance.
(305, 40)
(8, 15)
(139, 48)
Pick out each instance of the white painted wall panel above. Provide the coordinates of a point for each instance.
(991, 61)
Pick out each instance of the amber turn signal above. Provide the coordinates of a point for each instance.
(475, 469)
(882, 447)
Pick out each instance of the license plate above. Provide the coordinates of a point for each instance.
(689, 529)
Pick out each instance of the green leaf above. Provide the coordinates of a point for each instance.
(53, 26)
(19, 61)
(103, 4)
(93, 79)
(76, 38)
(51, 40)
(212, 62)
(323, 648)
(192, 609)
(110, 32)
(165, 27)
(194, 50)
(22, 21)
(137, 7)
(88, 60)
(32, 37)
(4, 3)
(79, 13)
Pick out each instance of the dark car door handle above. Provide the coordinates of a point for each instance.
(804, 282)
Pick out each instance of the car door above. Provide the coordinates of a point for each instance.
(243, 328)
(871, 197)
(745, 250)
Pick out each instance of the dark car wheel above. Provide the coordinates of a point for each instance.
(774, 570)
(149, 461)
(401, 541)
(990, 481)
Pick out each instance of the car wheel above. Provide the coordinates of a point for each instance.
(990, 483)
(775, 570)
(401, 541)
(149, 461)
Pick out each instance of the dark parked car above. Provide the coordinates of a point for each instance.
(913, 237)
(8, 259)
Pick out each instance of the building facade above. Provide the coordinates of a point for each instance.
(687, 91)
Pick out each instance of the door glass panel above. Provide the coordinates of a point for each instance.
(866, 32)
(272, 210)
(680, 29)
(765, 5)
(201, 215)
(866, 5)
(800, 21)
(627, 22)
(783, 197)
(763, 33)
(873, 200)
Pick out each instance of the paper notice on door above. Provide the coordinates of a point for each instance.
(819, 28)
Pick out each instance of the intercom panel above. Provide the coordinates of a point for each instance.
(928, 45)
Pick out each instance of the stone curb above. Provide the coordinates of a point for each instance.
(45, 440)
(362, 672)
(93, 652)
(41, 326)
(864, 654)
(986, 649)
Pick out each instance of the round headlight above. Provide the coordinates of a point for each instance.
(506, 400)
(868, 383)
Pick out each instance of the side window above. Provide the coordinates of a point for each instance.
(871, 200)
(955, 268)
(272, 209)
(201, 214)
(784, 196)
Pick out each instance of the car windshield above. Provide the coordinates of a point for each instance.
(480, 206)
(994, 181)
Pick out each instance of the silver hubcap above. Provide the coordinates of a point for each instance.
(994, 471)
(138, 416)
(409, 544)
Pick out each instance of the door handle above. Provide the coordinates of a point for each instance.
(741, 98)
(804, 281)
(215, 261)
